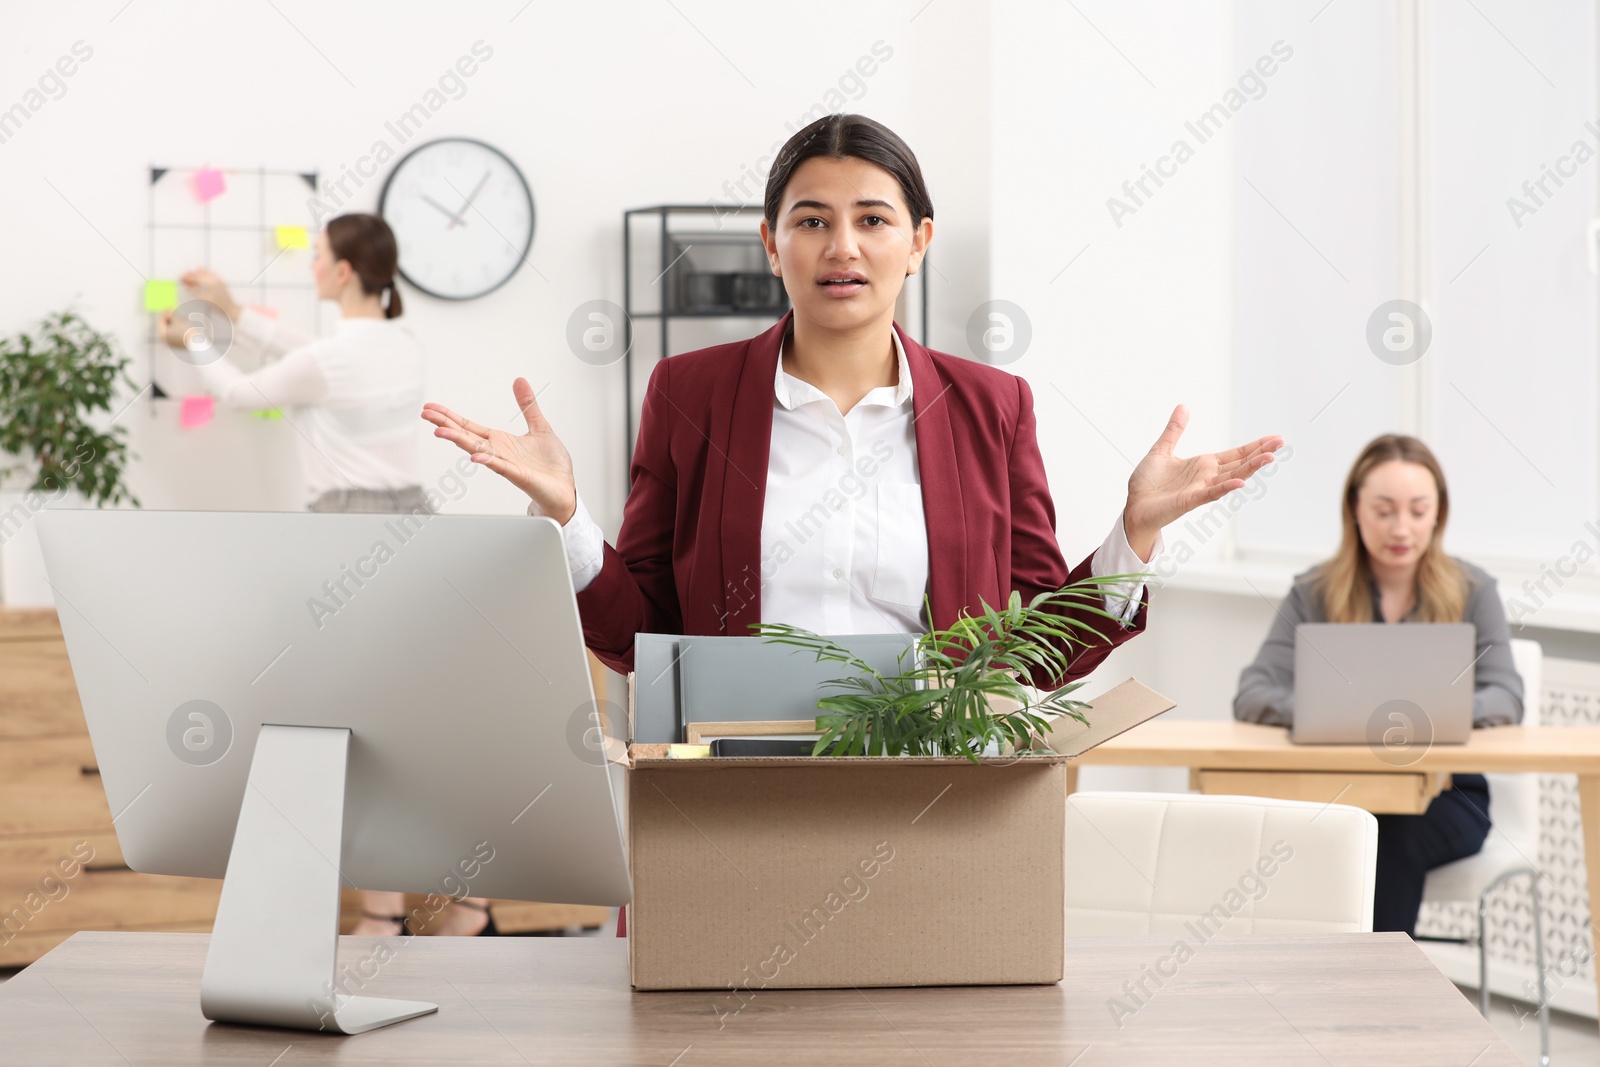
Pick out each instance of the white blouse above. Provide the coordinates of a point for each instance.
(844, 542)
(352, 397)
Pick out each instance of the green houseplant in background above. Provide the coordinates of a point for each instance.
(945, 703)
(51, 380)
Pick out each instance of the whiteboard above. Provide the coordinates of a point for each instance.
(234, 234)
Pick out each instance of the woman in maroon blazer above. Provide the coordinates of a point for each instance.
(728, 434)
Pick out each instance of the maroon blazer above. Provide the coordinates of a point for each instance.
(688, 557)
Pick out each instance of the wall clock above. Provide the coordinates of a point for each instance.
(462, 214)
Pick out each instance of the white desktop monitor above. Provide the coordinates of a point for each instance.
(394, 702)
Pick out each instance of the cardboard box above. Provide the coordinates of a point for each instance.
(860, 871)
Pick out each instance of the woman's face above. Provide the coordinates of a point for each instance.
(326, 271)
(844, 241)
(1397, 508)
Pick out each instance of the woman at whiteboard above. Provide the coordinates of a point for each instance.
(351, 399)
(350, 396)
(1391, 567)
(832, 470)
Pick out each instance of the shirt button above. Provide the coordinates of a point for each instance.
(844, 450)
(838, 572)
(839, 506)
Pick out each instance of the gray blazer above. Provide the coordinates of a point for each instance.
(1266, 687)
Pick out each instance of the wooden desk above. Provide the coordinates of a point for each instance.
(1233, 751)
(1247, 746)
(120, 998)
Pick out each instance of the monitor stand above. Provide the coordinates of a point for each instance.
(276, 936)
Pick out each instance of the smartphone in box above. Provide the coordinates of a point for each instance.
(764, 747)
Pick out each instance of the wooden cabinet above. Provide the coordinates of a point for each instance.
(60, 868)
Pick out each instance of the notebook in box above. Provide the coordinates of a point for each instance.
(678, 679)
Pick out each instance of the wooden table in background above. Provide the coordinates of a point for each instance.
(117, 998)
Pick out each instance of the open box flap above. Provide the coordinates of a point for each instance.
(1113, 712)
(656, 757)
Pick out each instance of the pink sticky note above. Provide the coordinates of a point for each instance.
(209, 184)
(196, 411)
(270, 313)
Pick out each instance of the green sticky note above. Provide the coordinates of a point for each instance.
(160, 295)
(267, 413)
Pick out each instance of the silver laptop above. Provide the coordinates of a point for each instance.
(1398, 685)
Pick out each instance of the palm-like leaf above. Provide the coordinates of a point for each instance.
(943, 704)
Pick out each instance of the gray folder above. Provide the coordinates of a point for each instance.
(680, 679)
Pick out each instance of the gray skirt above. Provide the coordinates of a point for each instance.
(407, 500)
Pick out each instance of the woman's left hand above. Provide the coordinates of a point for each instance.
(1164, 487)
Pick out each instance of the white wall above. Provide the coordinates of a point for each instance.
(1514, 391)
(603, 107)
(1025, 118)
(1139, 321)
(1083, 97)
(1317, 229)
(603, 112)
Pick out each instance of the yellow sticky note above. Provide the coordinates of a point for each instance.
(160, 295)
(293, 237)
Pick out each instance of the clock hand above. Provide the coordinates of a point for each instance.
(444, 210)
(476, 189)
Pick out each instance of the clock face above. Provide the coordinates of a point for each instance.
(463, 217)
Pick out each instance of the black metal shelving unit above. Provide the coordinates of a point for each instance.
(664, 315)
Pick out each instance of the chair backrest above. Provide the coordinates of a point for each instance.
(1528, 657)
(1177, 864)
(1514, 798)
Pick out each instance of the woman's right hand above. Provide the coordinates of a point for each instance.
(209, 286)
(535, 462)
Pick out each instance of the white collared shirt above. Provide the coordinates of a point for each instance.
(844, 544)
(844, 541)
(352, 397)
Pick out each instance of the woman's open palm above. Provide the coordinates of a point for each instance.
(1164, 487)
(535, 462)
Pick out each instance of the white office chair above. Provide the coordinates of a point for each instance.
(1179, 864)
(1510, 851)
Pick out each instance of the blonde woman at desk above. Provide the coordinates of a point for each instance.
(352, 397)
(1391, 567)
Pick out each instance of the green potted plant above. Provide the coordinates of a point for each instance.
(52, 380)
(951, 701)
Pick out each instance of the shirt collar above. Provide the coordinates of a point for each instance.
(1377, 603)
(792, 392)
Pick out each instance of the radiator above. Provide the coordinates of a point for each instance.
(1571, 697)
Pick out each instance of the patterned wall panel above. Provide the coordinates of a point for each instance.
(1571, 698)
